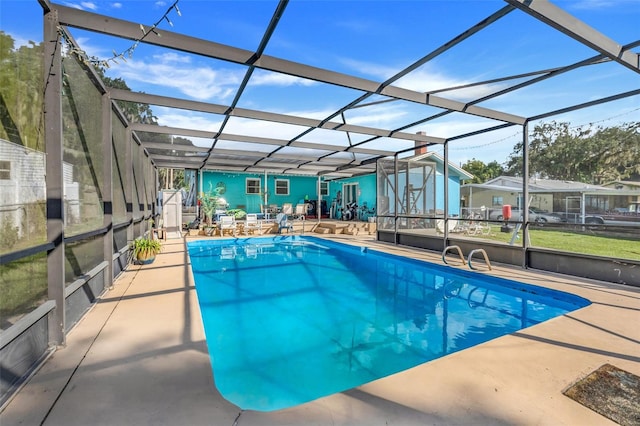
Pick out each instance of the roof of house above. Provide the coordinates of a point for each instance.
(626, 183)
(503, 183)
(463, 174)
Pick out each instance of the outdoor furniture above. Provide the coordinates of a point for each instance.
(227, 224)
(252, 224)
(283, 223)
(287, 208)
(301, 211)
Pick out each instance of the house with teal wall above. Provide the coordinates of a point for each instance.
(415, 186)
(457, 176)
(250, 191)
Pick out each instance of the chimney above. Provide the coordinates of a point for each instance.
(422, 149)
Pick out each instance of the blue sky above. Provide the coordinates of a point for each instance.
(368, 39)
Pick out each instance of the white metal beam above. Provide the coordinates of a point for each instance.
(566, 23)
(125, 29)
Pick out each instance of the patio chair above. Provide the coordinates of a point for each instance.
(252, 224)
(228, 224)
(283, 223)
(301, 211)
(287, 208)
(455, 226)
(452, 226)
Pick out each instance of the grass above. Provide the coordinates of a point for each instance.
(587, 244)
(575, 242)
(23, 286)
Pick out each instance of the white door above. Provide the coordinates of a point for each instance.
(172, 212)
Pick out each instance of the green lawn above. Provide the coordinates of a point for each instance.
(576, 242)
(23, 286)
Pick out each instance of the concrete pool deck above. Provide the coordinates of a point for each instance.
(139, 357)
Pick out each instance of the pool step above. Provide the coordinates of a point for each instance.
(348, 228)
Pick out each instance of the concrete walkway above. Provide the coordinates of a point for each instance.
(139, 357)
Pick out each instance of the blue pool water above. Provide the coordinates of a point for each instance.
(291, 319)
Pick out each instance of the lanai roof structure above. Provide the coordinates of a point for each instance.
(314, 88)
(329, 121)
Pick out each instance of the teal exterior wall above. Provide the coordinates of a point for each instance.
(454, 192)
(304, 187)
(366, 184)
(235, 193)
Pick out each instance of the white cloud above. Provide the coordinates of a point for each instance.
(116, 5)
(357, 26)
(423, 79)
(185, 120)
(265, 78)
(172, 57)
(591, 4)
(244, 126)
(19, 41)
(198, 82)
(73, 5)
(89, 5)
(377, 71)
(376, 116)
(82, 5)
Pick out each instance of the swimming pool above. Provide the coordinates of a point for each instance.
(289, 319)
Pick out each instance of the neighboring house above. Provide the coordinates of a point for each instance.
(22, 183)
(568, 198)
(623, 184)
(22, 187)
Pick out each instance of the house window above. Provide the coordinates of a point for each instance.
(252, 186)
(496, 200)
(5, 170)
(282, 186)
(324, 188)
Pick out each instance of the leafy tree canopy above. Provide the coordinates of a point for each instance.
(21, 92)
(483, 172)
(586, 154)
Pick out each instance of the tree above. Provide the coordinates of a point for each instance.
(483, 172)
(582, 154)
(135, 112)
(21, 92)
(619, 156)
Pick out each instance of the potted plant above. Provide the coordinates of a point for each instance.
(144, 250)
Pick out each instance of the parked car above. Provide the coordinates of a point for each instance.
(535, 215)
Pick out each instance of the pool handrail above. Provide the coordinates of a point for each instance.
(444, 253)
(484, 254)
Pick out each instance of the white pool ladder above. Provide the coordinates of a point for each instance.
(484, 254)
(444, 253)
(459, 251)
